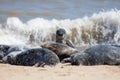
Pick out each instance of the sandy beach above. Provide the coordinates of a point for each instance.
(30, 23)
(59, 72)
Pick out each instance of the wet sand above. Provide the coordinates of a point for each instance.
(59, 72)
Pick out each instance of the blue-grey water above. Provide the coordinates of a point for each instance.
(32, 22)
(57, 9)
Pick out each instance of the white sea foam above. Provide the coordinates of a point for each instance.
(103, 27)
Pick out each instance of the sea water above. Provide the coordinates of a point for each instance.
(32, 22)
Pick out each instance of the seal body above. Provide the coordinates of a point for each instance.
(3, 50)
(6, 49)
(32, 57)
(16, 48)
(98, 55)
(61, 37)
(62, 50)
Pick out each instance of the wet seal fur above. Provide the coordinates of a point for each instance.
(6, 49)
(62, 50)
(16, 48)
(31, 57)
(3, 50)
(97, 55)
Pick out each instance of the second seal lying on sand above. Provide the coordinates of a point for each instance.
(36, 56)
(97, 55)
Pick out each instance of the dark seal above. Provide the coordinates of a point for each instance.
(3, 50)
(36, 56)
(61, 37)
(17, 48)
(6, 49)
(97, 55)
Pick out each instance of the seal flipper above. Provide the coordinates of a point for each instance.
(42, 64)
(66, 60)
(69, 43)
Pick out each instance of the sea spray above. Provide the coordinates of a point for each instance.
(103, 27)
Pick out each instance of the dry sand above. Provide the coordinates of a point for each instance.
(59, 72)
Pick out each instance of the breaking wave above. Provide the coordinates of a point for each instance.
(103, 27)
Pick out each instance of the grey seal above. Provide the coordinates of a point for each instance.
(31, 57)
